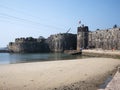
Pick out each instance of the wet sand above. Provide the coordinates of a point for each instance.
(79, 74)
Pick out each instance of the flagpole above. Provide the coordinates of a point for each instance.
(79, 23)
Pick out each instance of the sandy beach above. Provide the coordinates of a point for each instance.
(79, 74)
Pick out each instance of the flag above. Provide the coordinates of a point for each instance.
(79, 22)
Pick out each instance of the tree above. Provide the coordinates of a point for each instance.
(41, 39)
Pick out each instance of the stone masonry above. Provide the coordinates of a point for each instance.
(61, 42)
(54, 43)
(105, 39)
(28, 45)
(108, 39)
(82, 37)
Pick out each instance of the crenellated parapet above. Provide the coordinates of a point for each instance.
(28, 39)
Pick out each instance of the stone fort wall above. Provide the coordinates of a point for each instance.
(54, 43)
(28, 45)
(105, 39)
(61, 42)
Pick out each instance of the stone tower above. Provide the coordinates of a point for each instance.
(82, 37)
(61, 42)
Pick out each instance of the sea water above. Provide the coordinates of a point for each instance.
(12, 58)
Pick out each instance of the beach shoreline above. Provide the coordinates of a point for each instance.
(79, 74)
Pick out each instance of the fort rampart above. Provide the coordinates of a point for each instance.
(105, 39)
(54, 43)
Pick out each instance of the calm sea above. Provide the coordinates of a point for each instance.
(8, 58)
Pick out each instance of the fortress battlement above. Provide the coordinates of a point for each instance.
(104, 39)
(28, 39)
(54, 43)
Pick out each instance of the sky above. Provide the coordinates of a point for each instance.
(34, 18)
